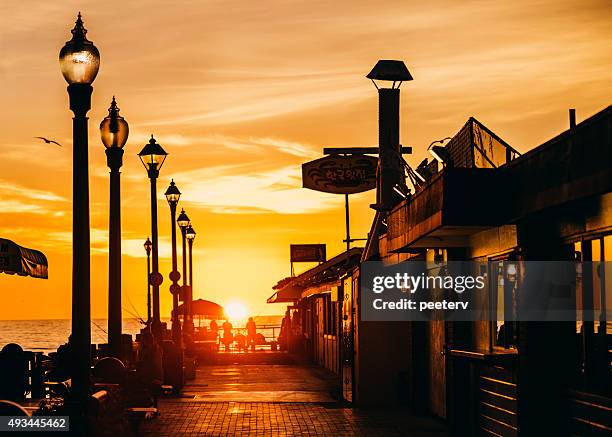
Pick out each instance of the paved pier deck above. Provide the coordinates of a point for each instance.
(274, 400)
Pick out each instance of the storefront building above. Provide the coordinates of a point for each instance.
(488, 204)
(481, 200)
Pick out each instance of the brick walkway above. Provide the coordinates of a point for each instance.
(273, 400)
(283, 419)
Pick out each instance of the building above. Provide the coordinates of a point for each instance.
(481, 200)
(489, 204)
(313, 318)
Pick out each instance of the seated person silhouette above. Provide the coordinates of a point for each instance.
(13, 373)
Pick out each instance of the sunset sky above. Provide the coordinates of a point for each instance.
(240, 93)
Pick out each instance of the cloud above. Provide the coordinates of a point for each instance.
(239, 190)
(17, 199)
(10, 189)
(210, 143)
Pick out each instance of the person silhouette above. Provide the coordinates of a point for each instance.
(13, 373)
(228, 337)
(214, 328)
(251, 333)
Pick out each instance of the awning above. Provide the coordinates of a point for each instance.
(15, 259)
(289, 294)
(289, 290)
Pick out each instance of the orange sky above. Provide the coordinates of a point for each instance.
(240, 93)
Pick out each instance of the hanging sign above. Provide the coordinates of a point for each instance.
(308, 253)
(340, 174)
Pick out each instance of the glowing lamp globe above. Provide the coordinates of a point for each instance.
(172, 193)
(152, 155)
(79, 58)
(190, 233)
(148, 246)
(114, 129)
(182, 220)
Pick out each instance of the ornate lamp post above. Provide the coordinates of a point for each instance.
(183, 222)
(114, 132)
(190, 234)
(79, 61)
(153, 156)
(148, 245)
(172, 196)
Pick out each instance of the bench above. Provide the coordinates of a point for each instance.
(99, 402)
(143, 412)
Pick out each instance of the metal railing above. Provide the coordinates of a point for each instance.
(269, 334)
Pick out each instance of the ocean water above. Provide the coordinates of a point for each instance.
(46, 335)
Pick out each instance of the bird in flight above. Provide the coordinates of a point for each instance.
(47, 141)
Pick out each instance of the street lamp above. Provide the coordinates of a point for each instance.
(183, 222)
(148, 246)
(387, 77)
(114, 132)
(79, 62)
(172, 196)
(190, 234)
(153, 156)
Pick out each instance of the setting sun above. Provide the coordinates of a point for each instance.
(236, 311)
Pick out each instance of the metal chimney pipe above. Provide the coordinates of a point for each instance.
(388, 141)
(390, 168)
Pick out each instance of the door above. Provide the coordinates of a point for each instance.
(320, 340)
(437, 367)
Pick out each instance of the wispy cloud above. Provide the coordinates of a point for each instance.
(17, 199)
(10, 189)
(240, 191)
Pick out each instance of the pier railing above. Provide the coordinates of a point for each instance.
(266, 334)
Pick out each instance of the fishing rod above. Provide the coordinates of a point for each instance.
(101, 329)
(137, 316)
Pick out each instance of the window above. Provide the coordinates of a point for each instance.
(331, 315)
(593, 291)
(503, 282)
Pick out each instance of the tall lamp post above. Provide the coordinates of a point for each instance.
(79, 62)
(190, 234)
(153, 156)
(172, 196)
(147, 246)
(114, 132)
(183, 222)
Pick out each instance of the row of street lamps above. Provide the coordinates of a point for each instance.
(79, 62)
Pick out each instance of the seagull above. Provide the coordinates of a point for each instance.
(47, 141)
